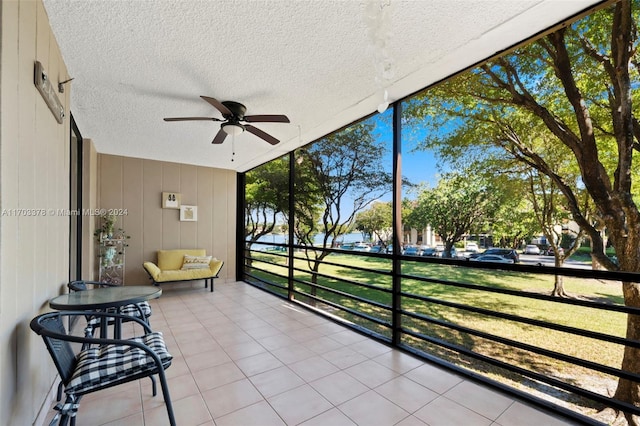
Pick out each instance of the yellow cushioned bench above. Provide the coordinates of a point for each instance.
(170, 264)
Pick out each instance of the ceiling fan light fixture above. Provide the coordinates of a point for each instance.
(232, 129)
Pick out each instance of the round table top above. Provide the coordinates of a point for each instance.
(106, 297)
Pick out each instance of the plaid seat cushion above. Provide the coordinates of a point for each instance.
(133, 311)
(101, 366)
(130, 310)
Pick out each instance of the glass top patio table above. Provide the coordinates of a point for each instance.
(104, 298)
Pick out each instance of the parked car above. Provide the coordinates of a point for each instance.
(492, 258)
(411, 251)
(472, 247)
(549, 251)
(390, 248)
(376, 249)
(506, 253)
(429, 251)
(531, 249)
(362, 247)
(453, 254)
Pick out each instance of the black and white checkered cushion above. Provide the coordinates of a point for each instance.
(130, 310)
(133, 311)
(98, 367)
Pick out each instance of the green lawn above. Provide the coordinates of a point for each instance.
(575, 316)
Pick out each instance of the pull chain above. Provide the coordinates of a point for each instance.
(233, 147)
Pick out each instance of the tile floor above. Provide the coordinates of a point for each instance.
(244, 357)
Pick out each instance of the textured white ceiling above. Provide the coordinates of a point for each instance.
(135, 62)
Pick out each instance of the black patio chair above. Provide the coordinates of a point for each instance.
(103, 363)
(140, 310)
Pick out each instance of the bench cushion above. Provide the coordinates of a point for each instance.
(169, 260)
(191, 274)
(169, 267)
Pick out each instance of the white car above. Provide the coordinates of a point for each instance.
(362, 247)
(531, 249)
(491, 258)
(472, 248)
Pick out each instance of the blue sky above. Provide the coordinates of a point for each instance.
(417, 166)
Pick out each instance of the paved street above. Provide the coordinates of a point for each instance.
(533, 259)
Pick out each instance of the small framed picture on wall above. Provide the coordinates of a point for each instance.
(188, 213)
(170, 200)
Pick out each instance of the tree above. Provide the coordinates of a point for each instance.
(545, 199)
(376, 221)
(575, 86)
(453, 208)
(266, 199)
(345, 173)
(513, 224)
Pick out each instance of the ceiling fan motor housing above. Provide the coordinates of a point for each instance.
(237, 109)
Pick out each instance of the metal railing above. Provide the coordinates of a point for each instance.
(523, 341)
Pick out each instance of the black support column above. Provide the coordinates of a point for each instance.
(397, 224)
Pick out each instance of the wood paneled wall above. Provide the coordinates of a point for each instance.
(34, 195)
(137, 185)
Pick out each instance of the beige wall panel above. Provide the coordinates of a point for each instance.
(189, 189)
(154, 228)
(9, 96)
(56, 158)
(170, 217)
(232, 187)
(132, 219)
(34, 174)
(204, 238)
(89, 202)
(151, 235)
(27, 149)
(46, 158)
(28, 161)
(223, 191)
(111, 188)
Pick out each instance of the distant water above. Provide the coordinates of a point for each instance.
(282, 239)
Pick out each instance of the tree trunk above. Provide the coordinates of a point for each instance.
(596, 265)
(247, 255)
(314, 282)
(558, 287)
(628, 390)
(558, 284)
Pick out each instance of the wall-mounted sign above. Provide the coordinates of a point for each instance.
(170, 200)
(41, 80)
(188, 213)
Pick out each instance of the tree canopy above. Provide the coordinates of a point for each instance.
(565, 107)
(454, 207)
(345, 173)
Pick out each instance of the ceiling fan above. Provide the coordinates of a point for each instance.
(234, 121)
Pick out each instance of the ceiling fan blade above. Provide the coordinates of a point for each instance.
(192, 119)
(218, 105)
(220, 136)
(259, 133)
(267, 118)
